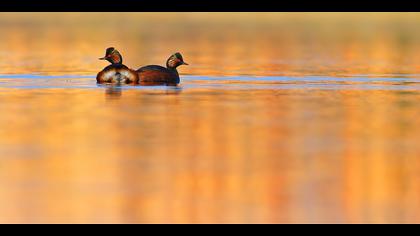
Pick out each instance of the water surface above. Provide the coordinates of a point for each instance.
(279, 118)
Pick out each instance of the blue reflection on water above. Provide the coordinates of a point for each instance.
(37, 81)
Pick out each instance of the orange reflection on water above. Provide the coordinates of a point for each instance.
(317, 151)
(291, 44)
(258, 156)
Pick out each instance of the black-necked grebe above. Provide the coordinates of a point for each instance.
(159, 75)
(116, 72)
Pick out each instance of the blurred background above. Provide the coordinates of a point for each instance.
(338, 44)
(280, 118)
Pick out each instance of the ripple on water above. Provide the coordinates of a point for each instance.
(407, 82)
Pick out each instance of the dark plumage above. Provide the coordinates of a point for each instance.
(159, 75)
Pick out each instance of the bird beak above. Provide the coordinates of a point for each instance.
(102, 58)
(184, 63)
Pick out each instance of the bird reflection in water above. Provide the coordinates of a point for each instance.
(172, 90)
(161, 90)
(113, 92)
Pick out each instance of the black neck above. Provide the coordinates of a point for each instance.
(173, 69)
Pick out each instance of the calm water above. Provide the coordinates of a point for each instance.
(278, 118)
